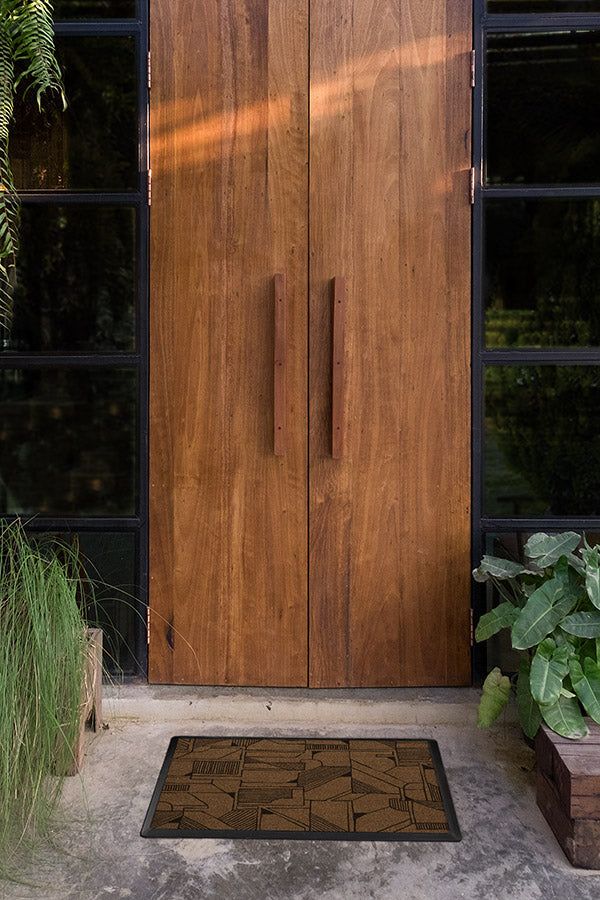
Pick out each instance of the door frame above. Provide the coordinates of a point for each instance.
(481, 526)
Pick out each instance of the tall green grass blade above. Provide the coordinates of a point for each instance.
(42, 665)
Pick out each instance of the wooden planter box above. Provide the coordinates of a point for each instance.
(568, 792)
(90, 722)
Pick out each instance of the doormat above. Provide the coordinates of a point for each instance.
(301, 788)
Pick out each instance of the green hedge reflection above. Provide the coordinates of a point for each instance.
(542, 261)
(542, 440)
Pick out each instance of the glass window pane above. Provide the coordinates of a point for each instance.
(110, 562)
(543, 98)
(94, 9)
(93, 145)
(542, 441)
(542, 273)
(68, 441)
(75, 288)
(108, 559)
(543, 6)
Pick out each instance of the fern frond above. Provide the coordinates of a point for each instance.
(32, 30)
(9, 203)
(27, 56)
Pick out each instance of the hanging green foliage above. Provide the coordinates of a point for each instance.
(28, 63)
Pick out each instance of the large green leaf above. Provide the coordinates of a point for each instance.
(572, 582)
(544, 610)
(585, 646)
(530, 583)
(548, 669)
(562, 639)
(586, 684)
(530, 716)
(495, 567)
(502, 616)
(546, 549)
(564, 717)
(576, 563)
(582, 624)
(496, 691)
(592, 575)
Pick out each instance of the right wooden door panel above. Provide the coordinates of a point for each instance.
(389, 521)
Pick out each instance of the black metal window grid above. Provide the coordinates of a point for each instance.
(137, 524)
(485, 526)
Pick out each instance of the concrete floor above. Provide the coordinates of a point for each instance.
(507, 850)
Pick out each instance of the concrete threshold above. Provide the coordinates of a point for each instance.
(293, 708)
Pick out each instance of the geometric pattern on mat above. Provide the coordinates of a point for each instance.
(302, 788)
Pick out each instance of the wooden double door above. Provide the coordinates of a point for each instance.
(310, 342)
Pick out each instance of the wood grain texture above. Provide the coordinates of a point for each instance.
(573, 768)
(228, 518)
(579, 838)
(389, 208)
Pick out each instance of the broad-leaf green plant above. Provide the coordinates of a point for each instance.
(27, 63)
(551, 606)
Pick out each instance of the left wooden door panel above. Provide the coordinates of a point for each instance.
(228, 522)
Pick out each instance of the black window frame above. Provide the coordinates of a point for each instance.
(484, 24)
(138, 29)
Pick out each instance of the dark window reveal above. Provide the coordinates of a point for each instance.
(543, 96)
(542, 440)
(93, 145)
(543, 6)
(542, 265)
(68, 441)
(94, 9)
(76, 286)
(109, 560)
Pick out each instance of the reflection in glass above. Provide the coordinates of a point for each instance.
(542, 441)
(92, 9)
(92, 145)
(542, 6)
(542, 273)
(68, 441)
(75, 287)
(543, 96)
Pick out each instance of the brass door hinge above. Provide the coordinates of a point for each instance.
(149, 187)
(472, 186)
(473, 59)
(148, 625)
(149, 70)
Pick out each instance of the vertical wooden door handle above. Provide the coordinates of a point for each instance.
(338, 366)
(279, 366)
